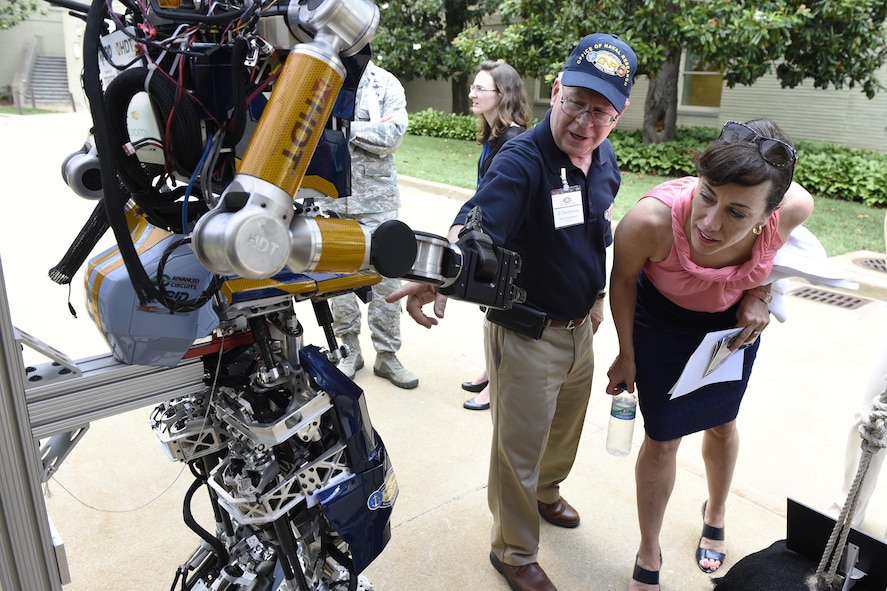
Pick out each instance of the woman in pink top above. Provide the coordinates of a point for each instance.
(693, 257)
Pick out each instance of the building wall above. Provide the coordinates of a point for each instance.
(73, 29)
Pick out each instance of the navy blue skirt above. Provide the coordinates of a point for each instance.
(665, 336)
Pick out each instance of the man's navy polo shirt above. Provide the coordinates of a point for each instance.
(562, 270)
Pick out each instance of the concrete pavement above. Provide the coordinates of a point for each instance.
(117, 501)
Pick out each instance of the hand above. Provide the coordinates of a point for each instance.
(597, 314)
(753, 316)
(419, 294)
(621, 374)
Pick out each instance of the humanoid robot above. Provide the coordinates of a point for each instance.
(215, 127)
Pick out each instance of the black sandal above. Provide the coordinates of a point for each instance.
(712, 533)
(642, 575)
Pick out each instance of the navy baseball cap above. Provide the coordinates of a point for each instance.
(605, 64)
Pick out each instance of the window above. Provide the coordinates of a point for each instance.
(542, 92)
(701, 84)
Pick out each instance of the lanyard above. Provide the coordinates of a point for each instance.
(484, 152)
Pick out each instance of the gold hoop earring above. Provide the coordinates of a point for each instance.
(757, 229)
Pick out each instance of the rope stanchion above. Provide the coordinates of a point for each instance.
(873, 432)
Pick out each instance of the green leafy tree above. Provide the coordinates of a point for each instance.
(831, 43)
(415, 40)
(12, 12)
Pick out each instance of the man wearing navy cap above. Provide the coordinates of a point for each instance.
(548, 195)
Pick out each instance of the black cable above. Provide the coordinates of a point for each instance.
(343, 559)
(217, 546)
(220, 516)
(262, 337)
(115, 201)
(189, 305)
(193, 18)
(92, 231)
(238, 80)
(325, 320)
(289, 554)
(183, 148)
(179, 573)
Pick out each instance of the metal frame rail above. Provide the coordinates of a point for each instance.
(56, 398)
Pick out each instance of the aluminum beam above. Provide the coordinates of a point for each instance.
(63, 401)
(27, 557)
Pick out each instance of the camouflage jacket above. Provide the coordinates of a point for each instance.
(380, 122)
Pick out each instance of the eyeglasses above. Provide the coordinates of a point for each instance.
(774, 151)
(476, 88)
(577, 110)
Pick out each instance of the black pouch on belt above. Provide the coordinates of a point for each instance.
(520, 318)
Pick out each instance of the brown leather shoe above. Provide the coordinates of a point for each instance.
(559, 513)
(529, 577)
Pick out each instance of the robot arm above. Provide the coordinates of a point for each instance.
(249, 232)
(169, 66)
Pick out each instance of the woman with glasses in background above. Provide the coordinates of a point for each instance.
(500, 103)
(693, 257)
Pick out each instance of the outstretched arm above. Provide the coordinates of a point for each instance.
(644, 233)
(419, 294)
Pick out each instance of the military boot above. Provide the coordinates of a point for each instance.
(389, 366)
(349, 365)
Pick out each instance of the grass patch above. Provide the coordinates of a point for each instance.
(452, 162)
(841, 226)
(845, 226)
(10, 110)
(634, 186)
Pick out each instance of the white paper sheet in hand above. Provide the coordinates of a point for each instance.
(693, 377)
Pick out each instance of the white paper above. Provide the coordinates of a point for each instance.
(693, 377)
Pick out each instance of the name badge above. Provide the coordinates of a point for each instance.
(566, 204)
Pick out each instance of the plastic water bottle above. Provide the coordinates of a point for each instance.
(621, 427)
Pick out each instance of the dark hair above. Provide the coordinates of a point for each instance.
(742, 163)
(513, 106)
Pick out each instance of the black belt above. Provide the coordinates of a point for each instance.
(571, 324)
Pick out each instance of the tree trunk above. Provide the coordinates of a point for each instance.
(456, 12)
(459, 90)
(661, 109)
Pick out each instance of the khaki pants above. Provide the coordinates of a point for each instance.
(539, 392)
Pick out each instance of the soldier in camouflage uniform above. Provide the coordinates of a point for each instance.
(380, 122)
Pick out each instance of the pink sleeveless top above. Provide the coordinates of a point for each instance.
(705, 289)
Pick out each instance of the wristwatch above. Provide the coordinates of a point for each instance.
(764, 296)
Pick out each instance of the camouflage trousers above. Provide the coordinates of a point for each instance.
(383, 318)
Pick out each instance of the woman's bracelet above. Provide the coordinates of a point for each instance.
(763, 295)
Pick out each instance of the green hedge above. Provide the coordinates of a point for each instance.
(826, 170)
(443, 125)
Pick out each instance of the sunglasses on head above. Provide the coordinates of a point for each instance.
(776, 152)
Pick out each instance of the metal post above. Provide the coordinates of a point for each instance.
(27, 559)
